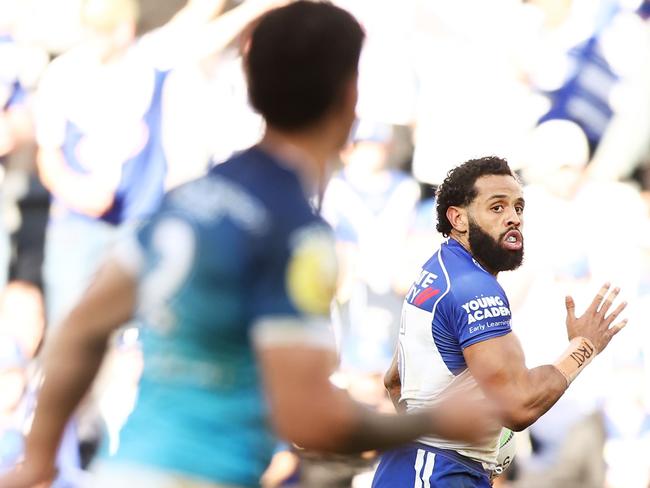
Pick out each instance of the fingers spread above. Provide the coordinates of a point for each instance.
(609, 300)
(616, 328)
(598, 299)
(612, 316)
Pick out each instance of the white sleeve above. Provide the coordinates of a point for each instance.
(289, 330)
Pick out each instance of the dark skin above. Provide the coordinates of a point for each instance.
(498, 365)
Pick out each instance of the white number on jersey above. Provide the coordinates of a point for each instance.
(174, 242)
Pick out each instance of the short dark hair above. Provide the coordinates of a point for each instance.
(299, 60)
(458, 189)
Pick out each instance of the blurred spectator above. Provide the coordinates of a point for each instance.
(568, 250)
(369, 205)
(15, 117)
(22, 316)
(470, 98)
(99, 122)
(13, 384)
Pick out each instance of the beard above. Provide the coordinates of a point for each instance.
(490, 253)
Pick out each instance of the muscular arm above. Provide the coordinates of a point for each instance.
(308, 410)
(73, 359)
(521, 394)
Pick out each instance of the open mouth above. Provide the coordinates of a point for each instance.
(513, 240)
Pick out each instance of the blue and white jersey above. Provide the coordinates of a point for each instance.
(453, 304)
(232, 261)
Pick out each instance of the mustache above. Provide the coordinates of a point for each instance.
(509, 230)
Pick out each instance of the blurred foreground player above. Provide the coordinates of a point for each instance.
(455, 331)
(233, 278)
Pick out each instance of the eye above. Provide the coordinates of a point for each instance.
(498, 208)
(519, 209)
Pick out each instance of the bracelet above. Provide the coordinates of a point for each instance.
(578, 355)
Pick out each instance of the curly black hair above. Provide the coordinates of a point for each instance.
(458, 189)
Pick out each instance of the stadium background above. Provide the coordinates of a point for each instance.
(560, 88)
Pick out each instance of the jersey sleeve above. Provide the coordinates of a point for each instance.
(481, 311)
(295, 289)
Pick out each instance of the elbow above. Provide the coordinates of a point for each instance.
(317, 430)
(519, 416)
(517, 424)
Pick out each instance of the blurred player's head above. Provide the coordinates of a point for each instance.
(110, 24)
(480, 204)
(301, 66)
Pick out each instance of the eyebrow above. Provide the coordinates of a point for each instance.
(504, 196)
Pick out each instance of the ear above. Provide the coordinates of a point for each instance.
(457, 217)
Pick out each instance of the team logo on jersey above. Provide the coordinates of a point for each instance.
(312, 270)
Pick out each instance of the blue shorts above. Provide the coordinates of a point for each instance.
(420, 466)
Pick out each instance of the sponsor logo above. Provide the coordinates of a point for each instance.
(312, 270)
(422, 290)
(484, 308)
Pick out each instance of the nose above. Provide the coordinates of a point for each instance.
(513, 219)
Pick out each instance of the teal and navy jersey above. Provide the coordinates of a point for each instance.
(452, 304)
(231, 261)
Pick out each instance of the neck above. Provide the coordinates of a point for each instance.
(304, 152)
(462, 238)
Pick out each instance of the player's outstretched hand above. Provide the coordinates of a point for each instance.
(596, 323)
(461, 416)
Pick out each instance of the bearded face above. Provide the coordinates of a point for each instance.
(502, 254)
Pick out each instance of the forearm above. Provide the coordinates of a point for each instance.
(545, 385)
(383, 431)
(71, 364)
(339, 424)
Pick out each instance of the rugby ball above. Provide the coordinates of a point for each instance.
(507, 448)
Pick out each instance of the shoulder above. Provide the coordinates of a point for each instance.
(213, 197)
(467, 280)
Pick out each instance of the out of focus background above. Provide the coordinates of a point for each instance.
(560, 88)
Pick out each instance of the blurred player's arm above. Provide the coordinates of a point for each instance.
(307, 409)
(201, 30)
(71, 363)
(522, 394)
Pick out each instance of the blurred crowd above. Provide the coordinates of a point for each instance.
(107, 103)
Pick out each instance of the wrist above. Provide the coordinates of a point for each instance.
(575, 358)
